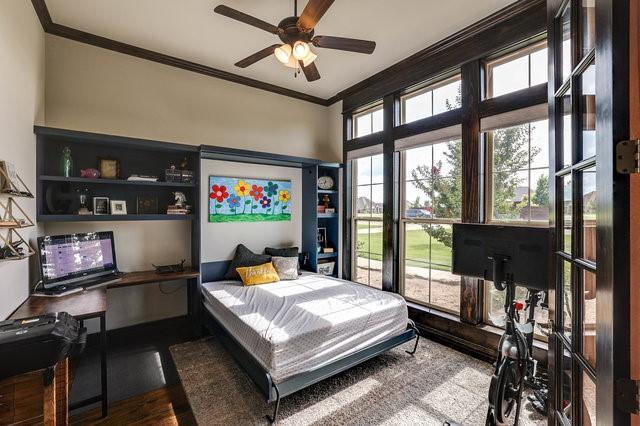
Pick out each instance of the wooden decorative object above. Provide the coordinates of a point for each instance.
(12, 183)
(8, 218)
(12, 243)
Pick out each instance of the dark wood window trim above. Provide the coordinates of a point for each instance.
(465, 57)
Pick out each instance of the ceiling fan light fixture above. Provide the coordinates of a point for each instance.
(307, 60)
(300, 50)
(283, 53)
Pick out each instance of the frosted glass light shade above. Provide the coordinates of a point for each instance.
(300, 50)
(283, 53)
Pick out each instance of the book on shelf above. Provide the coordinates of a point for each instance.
(142, 178)
(173, 209)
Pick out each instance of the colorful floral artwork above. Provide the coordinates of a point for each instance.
(249, 200)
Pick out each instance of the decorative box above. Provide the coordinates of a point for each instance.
(326, 268)
(187, 176)
(173, 175)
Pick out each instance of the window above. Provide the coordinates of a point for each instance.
(367, 122)
(434, 99)
(432, 200)
(516, 71)
(367, 220)
(518, 173)
(517, 191)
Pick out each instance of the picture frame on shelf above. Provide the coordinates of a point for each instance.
(118, 207)
(147, 204)
(100, 205)
(109, 168)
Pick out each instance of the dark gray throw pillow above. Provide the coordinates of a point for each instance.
(244, 257)
(282, 252)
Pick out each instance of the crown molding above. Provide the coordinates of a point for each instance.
(52, 28)
(515, 9)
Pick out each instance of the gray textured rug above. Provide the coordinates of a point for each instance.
(435, 385)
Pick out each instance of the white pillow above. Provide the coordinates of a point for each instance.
(287, 267)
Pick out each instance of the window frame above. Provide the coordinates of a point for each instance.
(487, 183)
(355, 219)
(520, 52)
(421, 90)
(367, 111)
(403, 221)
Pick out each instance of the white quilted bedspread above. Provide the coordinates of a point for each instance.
(296, 326)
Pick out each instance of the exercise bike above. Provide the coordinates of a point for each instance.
(515, 365)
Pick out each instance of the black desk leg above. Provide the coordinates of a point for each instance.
(103, 363)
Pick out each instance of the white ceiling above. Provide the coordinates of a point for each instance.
(189, 29)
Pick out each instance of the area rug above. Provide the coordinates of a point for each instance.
(437, 384)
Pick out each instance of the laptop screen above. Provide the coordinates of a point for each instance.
(66, 259)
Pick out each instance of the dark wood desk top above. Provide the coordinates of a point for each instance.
(92, 303)
(86, 304)
(146, 277)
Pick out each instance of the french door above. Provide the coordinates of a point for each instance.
(589, 306)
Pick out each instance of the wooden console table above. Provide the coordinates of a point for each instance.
(92, 303)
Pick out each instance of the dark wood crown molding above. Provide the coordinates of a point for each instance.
(518, 8)
(51, 27)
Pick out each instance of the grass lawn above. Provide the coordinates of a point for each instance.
(416, 248)
(256, 217)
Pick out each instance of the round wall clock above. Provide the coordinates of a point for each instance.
(325, 182)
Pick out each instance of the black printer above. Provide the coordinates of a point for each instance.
(35, 343)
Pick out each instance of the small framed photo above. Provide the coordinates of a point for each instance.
(118, 207)
(109, 168)
(322, 237)
(100, 205)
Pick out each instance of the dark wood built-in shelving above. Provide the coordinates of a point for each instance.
(136, 156)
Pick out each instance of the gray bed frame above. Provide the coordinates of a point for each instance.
(274, 392)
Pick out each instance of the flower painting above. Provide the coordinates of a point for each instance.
(249, 200)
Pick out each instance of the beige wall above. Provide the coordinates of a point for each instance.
(88, 88)
(96, 90)
(22, 76)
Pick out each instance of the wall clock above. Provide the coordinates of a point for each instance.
(325, 182)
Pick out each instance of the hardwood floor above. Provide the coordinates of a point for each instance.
(164, 406)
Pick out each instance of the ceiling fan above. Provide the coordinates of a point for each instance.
(297, 35)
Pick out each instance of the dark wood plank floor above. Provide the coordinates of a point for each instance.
(164, 406)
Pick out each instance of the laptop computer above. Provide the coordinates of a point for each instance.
(74, 262)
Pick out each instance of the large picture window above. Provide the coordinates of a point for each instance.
(518, 173)
(367, 220)
(432, 199)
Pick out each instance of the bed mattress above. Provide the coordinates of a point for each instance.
(295, 326)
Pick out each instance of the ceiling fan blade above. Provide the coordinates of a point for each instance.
(342, 43)
(252, 59)
(310, 71)
(247, 19)
(312, 14)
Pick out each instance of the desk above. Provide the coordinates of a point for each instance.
(93, 304)
(82, 306)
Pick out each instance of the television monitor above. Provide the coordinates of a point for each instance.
(73, 258)
(527, 251)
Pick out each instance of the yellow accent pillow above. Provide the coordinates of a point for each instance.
(261, 274)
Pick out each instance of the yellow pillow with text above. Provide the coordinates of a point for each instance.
(261, 274)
